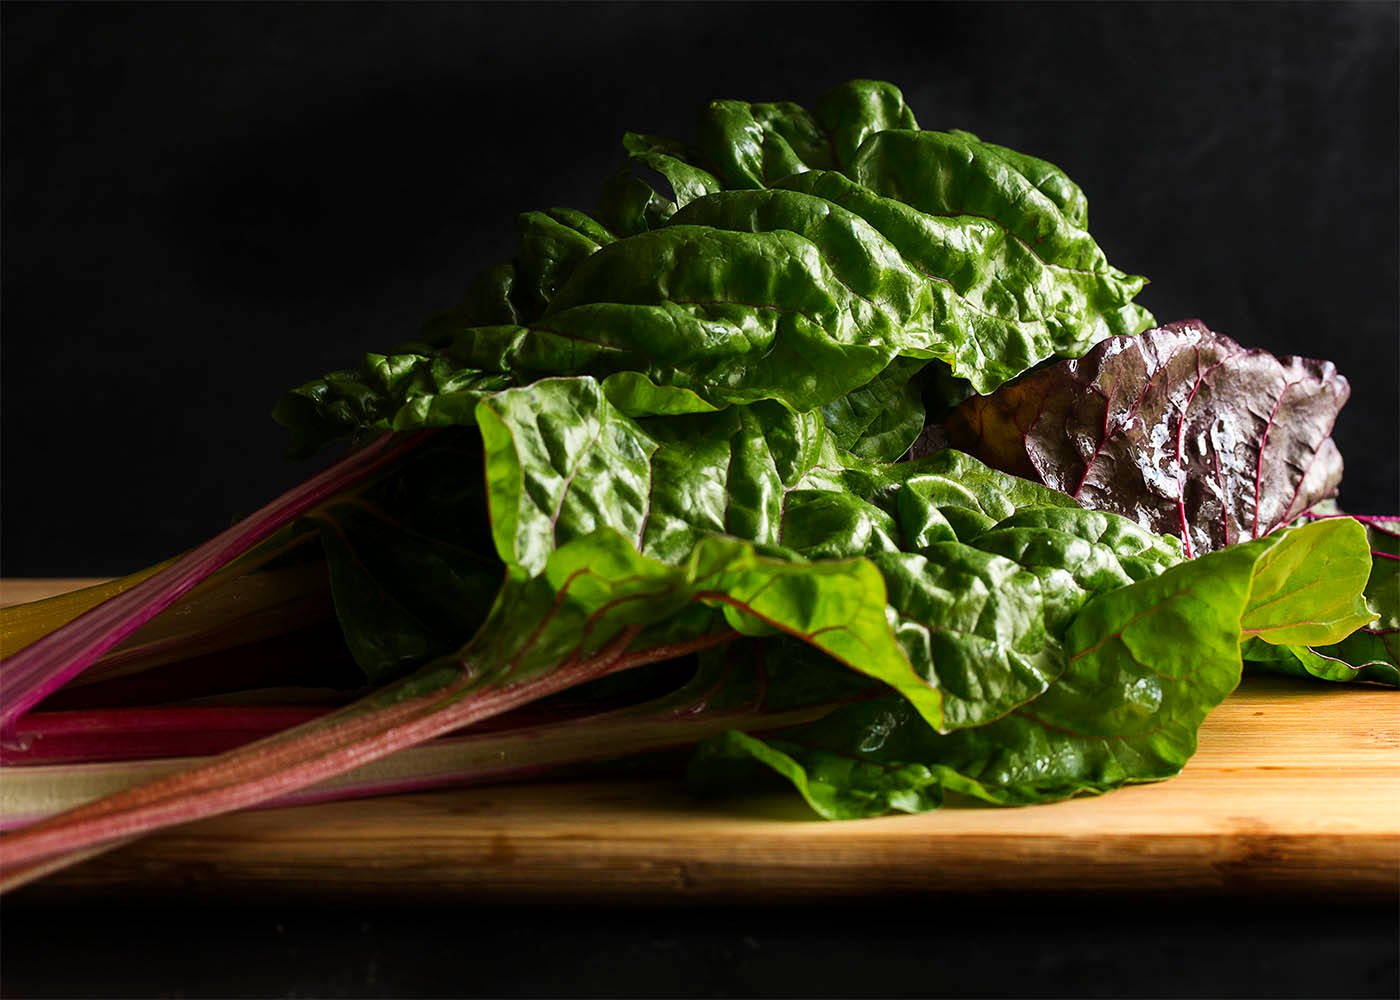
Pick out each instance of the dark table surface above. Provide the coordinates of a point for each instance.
(1106, 946)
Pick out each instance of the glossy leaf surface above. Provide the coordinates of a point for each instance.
(1145, 665)
(1179, 428)
(981, 571)
(801, 257)
(1372, 652)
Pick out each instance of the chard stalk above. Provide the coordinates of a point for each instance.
(441, 697)
(127, 734)
(244, 610)
(533, 747)
(42, 667)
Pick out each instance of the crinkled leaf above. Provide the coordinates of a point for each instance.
(628, 205)
(753, 145)
(881, 419)
(409, 391)
(638, 396)
(956, 174)
(998, 308)
(1179, 428)
(756, 145)
(972, 629)
(770, 275)
(549, 246)
(1146, 663)
(552, 244)
(1045, 177)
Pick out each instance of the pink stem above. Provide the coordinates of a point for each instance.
(123, 734)
(46, 665)
(319, 750)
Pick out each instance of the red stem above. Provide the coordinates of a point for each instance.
(303, 756)
(118, 734)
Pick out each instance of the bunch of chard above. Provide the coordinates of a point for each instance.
(676, 476)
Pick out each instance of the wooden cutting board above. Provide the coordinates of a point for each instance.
(1295, 789)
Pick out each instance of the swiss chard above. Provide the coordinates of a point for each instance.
(673, 426)
(605, 570)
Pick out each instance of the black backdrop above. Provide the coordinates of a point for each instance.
(205, 205)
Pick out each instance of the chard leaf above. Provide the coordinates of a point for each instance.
(1145, 665)
(489, 300)
(411, 565)
(974, 616)
(753, 145)
(1045, 177)
(667, 158)
(629, 205)
(802, 256)
(852, 112)
(638, 396)
(389, 392)
(1372, 652)
(956, 174)
(880, 420)
(552, 244)
(1180, 428)
(756, 145)
(1308, 587)
(736, 316)
(997, 306)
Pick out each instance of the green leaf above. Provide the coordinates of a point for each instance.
(956, 174)
(552, 244)
(638, 396)
(803, 256)
(665, 156)
(753, 145)
(411, 567)
(973, 618)
(408, 391)
(1370, 653)
(1145, 665)
(880, 420)
(757, 145)
(1308, 585)
(1047, 178)
(854, 111)
(997, 305)
(629, 205)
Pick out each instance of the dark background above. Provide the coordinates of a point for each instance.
(205, 205)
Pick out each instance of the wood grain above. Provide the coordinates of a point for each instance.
(22, 591)
(1295, 789)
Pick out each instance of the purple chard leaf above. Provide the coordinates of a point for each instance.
(1179, 428)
